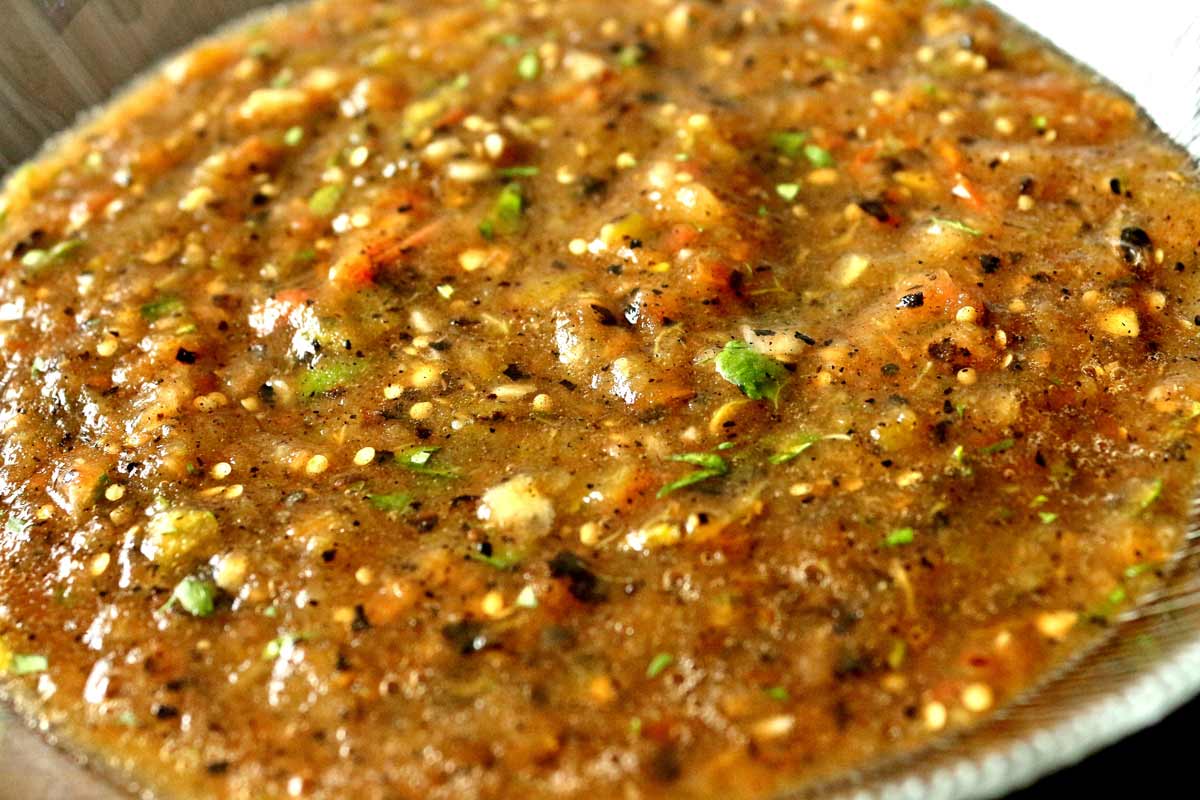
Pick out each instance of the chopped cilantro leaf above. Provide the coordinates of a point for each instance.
(193, 596)
(790, 143)
(518, 172)
(799, 445)
(711, 466)
(327, 377)
(1150, 494)
(167, 305)
(818, 156)
(530, 66)
(394, 501)
(787, 191)
(631, 55)
(505, 214)
(998, 447)
(503, 558)
(28, 664)
(282, 645)
(324, 201)
(658, 664)
(758, 376)
(954, 224)
(899, 537)
(417, 459)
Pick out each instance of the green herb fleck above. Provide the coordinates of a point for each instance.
(1047, 517)
(417, 459)
(1150, 495)
(518, 172)
(777, 693)
(326, 377)
(394, 501)
(501, 558)
(787, 191)
(998, 447)
(711, 466)
(283, 79)
(631, 55)
(899, 537)
(167, 305)
(1134, 570)
(954, 224)
(28, 664)
(818, 156)
(1040, 500)
(759, 377)
(529, 66)
(39, 259)
(789, 143)
(505, 215)
(193, 596)
(282, 644)
(658, 664)
(293, 136)
(324, 201)
(801, 444)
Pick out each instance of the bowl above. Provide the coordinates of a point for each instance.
(59, 58)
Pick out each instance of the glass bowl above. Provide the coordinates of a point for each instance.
(59, 58)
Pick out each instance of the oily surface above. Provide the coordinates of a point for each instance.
(496, 399)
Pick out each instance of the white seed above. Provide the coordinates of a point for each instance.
(492, 604)
(774, 727)
(421, 410)
(316, 464)
(99, 564)
(966, 314)
(1120, 322)
(364, 456)
(493, 145)
(230, 573)
(977, 697)
(967, 376)
(1056, 624)
(935, 716)
(425, 375)
(468, 171)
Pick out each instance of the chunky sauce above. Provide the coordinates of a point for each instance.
(493, 399)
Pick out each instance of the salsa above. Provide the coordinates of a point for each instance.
(495, 399)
